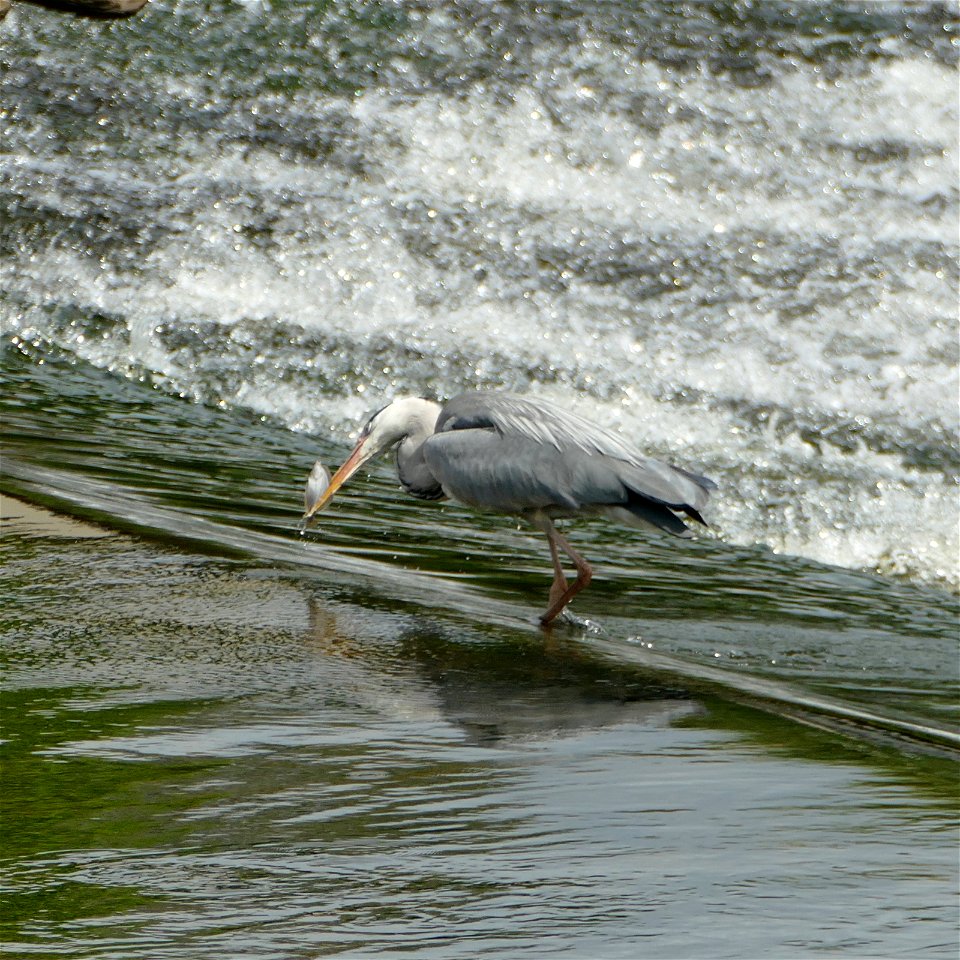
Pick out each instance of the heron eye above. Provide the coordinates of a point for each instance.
(368, 426)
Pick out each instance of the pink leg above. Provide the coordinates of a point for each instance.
(560, 593)
(559, 586)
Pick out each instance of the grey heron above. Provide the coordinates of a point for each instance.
(516, 455)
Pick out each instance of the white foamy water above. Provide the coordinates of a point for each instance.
(757, 281)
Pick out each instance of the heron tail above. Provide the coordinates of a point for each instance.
(640, 512)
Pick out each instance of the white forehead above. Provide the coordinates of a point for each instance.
(402, 415)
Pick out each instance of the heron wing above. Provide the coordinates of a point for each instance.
(480, 467)
(577, 441)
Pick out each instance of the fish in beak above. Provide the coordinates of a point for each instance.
(389, 426)
(317, 484)
(321, 486)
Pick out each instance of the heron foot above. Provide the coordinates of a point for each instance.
(567, 619)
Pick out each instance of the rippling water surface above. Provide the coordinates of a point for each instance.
(727, 231)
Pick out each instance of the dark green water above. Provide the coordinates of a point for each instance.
(728, 231)
(296, 752)
(210, 758)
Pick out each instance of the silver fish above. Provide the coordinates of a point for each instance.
(317, 484)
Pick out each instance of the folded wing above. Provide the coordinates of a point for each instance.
(515, 454)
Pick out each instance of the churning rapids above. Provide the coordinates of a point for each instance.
(743, 259)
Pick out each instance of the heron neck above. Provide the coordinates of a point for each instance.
(415, 476)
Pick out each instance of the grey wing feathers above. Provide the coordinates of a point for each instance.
(535, 419)
(541, 422)
(479, 467)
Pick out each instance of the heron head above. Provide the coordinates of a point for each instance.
(390, 425)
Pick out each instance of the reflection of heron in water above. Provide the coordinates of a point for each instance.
(520, 456)
(490, 692)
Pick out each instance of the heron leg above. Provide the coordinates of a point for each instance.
(561, 593)
(559, 586)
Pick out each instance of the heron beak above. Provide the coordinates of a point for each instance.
(357, 458)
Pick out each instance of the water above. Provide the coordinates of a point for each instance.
(212, 758)
(728, 232)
